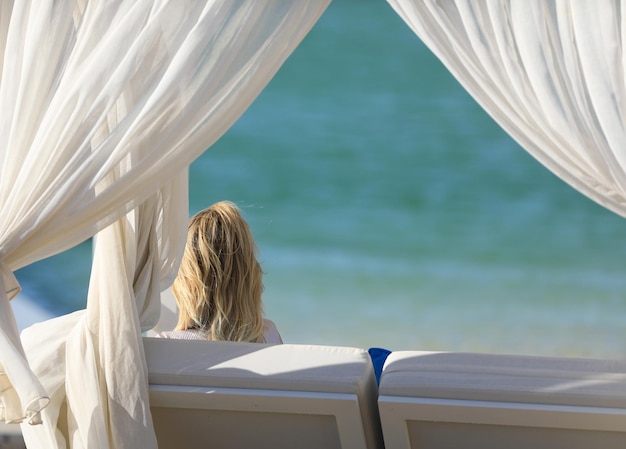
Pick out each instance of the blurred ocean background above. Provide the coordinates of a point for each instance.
(391, 211)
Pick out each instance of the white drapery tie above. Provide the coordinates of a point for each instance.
(10, 344)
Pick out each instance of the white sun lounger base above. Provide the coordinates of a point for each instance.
(455, 400)
(235, 395)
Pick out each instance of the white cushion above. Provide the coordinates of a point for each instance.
(496, 377)
(261, 395)
(488, 401)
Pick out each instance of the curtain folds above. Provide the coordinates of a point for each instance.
(550, 72)
(98, 386)
(103, 107)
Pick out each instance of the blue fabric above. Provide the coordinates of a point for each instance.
(378, 356)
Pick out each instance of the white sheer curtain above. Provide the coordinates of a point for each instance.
(550, 72)
(91, 362)
(103, 102)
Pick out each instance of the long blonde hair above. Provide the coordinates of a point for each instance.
(219, 284)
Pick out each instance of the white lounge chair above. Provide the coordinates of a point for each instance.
(240, 395)
(455, 400)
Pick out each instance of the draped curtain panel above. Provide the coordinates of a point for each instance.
(102, 104)
(98, 386)
(550, 72)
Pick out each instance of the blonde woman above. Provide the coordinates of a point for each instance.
(219, 284)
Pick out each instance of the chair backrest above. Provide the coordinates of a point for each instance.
(433, 400)
(235, 395)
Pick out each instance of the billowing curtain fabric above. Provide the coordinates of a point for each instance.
(550, 72)
(91, 363)
(102, 103)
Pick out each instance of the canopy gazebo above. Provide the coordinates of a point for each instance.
(105, 105)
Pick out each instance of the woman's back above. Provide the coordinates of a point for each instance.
(219, 284)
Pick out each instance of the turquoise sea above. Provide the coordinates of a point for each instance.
(391, 211)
